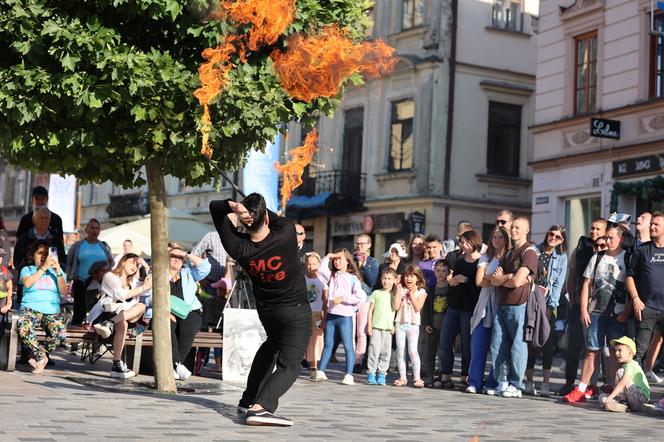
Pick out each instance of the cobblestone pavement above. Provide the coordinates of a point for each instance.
(64, 405)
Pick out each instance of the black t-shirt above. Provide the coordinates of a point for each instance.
(464, 296)
(647, 269)
(273, 264)
(176, 289)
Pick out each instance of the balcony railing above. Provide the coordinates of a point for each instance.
(129, 204)
(348, 185)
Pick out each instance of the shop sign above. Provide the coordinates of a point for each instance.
(354, 225)
(603, 128)
(417, 222)
(638, 166)
(541, 200)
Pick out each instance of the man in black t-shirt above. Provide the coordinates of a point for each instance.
(39, 199)
(645, 285)
(269, 255)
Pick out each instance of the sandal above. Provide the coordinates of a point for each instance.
(400, 382)
(418, 383)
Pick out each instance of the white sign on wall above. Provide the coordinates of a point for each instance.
(62, 200)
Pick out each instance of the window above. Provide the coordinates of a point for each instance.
(657, 57)
(92, 196)
(401, 138)
(507, 15)
(504, 139)
(412, 14)
(579, 213)
(585, 80)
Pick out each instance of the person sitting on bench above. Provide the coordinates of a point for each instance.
(44, 285)
(119, 306)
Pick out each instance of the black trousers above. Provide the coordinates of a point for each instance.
(183, 333)
(80, 306)
(650, 318)
(288, 330)
(575, 343)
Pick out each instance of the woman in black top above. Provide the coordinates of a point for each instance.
(461, 302)
(395, 257)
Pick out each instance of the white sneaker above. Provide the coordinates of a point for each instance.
(652, 377)
(319, 376)
(176, 375)
(470, 389)
(182, 371)
(511, 392)
(490, 392)
(529, 388)
(348, 380)
(545, 391)
(104, 329)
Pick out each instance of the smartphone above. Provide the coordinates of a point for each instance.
(53, 253)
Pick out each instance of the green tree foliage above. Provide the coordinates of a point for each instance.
(96, 89)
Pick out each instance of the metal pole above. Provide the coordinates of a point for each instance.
(224, 176)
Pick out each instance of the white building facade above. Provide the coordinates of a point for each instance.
(597, 59)
(445, 135)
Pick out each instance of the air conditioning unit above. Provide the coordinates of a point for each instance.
(596, 181)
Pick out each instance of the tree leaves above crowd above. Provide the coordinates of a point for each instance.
(97, 88)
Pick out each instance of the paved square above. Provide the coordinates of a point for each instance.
(63, 405)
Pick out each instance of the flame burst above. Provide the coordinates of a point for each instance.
(214, 75)
(316, 66)
(291, 172)
(269, 18)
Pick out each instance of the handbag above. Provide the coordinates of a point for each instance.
(179, 307)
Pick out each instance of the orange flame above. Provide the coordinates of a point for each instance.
(291, 172)
(269, 18)
(214, 75)
(316, 66)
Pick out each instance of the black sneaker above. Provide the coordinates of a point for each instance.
(265, 418)
(120, 371)
(243, 407)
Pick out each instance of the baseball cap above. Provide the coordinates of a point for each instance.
(39, 191)
(625, 341)
(619, 218)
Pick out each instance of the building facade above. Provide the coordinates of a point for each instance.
(599, 117)
(444, 136)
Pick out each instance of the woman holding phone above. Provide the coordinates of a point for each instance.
(44, 284)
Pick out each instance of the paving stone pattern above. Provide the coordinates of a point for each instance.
(65, 405)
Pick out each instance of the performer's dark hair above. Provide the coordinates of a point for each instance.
(255, 204)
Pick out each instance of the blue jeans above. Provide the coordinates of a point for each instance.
(601, 328)
(509, 351)
(456, 322)
(344, 326)
(480, 342)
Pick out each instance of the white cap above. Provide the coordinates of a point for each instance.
(400, 250)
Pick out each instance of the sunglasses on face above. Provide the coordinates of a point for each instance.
(601, 246)
(555, 236)
(501, 222)
(300, 233)
(177, 257)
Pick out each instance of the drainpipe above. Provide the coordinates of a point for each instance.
(450, 112)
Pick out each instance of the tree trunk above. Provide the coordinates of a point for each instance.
(161, 323)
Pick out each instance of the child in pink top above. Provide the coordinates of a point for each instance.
(407, 323)
(344, 283)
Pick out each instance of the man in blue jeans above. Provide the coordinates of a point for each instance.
(509, 350)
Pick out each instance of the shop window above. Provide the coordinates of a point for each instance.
(579, 213)
(506, 14)
(585, 79)
(401, 135)
(657, 57)
(412, 13)
(504, 139)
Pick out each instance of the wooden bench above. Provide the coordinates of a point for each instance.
(91, 341)
(75, 335)
(145, 339)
